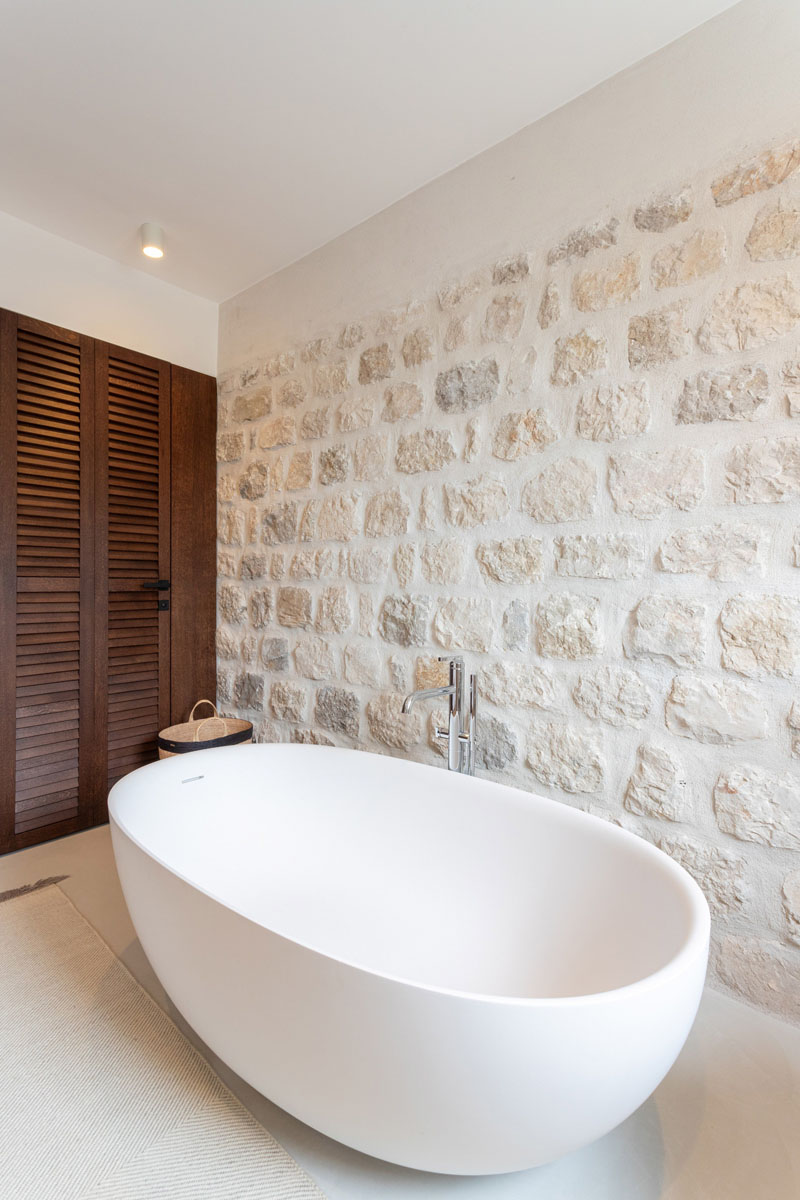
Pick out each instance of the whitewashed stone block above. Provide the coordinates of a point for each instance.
(521, 433)
(790, 894)
(549, 307)
(401, 402)
(761, 634)
(762, 971)
(313, 659)
(775, 233)
(354, 413)
(665, 210)
(614, 411)
(387, 514)
(755, 805)
(288, 701)
(764, 472)
(750, 315)
(763, 171)
(503, 319)
(389, 725)
(658, 337)
(614, 695)
(514, 684)
(334, 614)
(368, 564)
(723, 552)
(566, 490)
(669, 627)
(580, 242)
(479, 501)
(647, 484)
(578, 356)
(719, 873)
(467, 386)
(568, 626)
(362, 665)
(607, 286)
(404, 620)
(658, 785)
(369, 457)
(444, 561)
(717, 712)
(736, 395)
(700, 254)
(463, 623)
(426, 450)
(600, 556)
(513, 560)
(562, 758)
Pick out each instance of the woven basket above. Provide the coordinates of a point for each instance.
(203, 734)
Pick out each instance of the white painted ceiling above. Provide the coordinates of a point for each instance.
(255, 131)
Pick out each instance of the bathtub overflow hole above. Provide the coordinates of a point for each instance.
(193, 779)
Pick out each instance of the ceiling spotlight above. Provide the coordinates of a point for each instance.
(152, 240)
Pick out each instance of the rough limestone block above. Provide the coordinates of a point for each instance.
(512, 684)
(750, 315)
(479, 501)
(354, 413)
(313, 659)
(521, 433)
(316, 350)
(764, 472)
(647, 484)
(275, 654)
(362, 665)
(735, 395)
(496, 745)
(369, 457)
(338, 710)
(417, 347)
(549, 307)
(375, 364)
(330, 379)
(467, 386)
(401, 402)
(724, 552)
(368, 564)
(227, 643)
(670, 627)
(775, 233)
(763, 171)
(254, 565)
(761, 635)
(253, 482)
(252, 407)
(280, 431)
(600, 556)
(315, 424)
(700, 254)
(562, 758)
(294, 607)
(300, 471)
(607, 286)
(427, 450)
(579, 243)
(657, 786)
(516, 627)
(444, 561)
(291, 393)
(288, 701)
(404, 620)
(614, 695)
(231, 605)
(664, 211)
(389, 725)
(457, 333)
(566, 490)
(463, 623)
(387, 514)
(578, 356)
(279, 524)
(248, 691)
(719, 873)
(351, 335)
(513, 560)
(334, 614)
(717, 712)
(755, 805)
(260, 608)
(513, 269)
(334, 465)
(658, 337)
(503, 319)
(613, 411)
(568, 626)
(230, 447)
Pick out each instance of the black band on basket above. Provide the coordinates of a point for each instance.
(228, 739)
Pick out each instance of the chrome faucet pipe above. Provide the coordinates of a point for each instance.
(425, 694)
(460, 733)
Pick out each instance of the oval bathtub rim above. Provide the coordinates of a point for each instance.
(696, 944)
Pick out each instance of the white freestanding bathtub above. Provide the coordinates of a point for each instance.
(434, 969)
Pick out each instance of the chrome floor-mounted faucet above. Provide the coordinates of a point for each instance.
(460, 733)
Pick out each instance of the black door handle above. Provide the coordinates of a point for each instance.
(160, 585)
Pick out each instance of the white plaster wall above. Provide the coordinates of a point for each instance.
(727, 86)
(51, 279)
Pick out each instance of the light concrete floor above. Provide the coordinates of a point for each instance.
(724, 1124)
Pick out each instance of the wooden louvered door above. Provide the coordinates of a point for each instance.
(133, 442)
(47, 548)
(106, 462)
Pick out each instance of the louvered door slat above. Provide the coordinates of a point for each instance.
(137, 440)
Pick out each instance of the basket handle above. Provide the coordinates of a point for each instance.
(196, 734)
(199, 702)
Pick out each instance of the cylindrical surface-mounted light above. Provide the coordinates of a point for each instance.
(152, 240)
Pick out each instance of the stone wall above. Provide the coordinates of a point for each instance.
(579, 465)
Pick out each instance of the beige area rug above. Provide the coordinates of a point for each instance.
(101, 1096)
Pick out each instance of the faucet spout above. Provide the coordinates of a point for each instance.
(426, 694)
